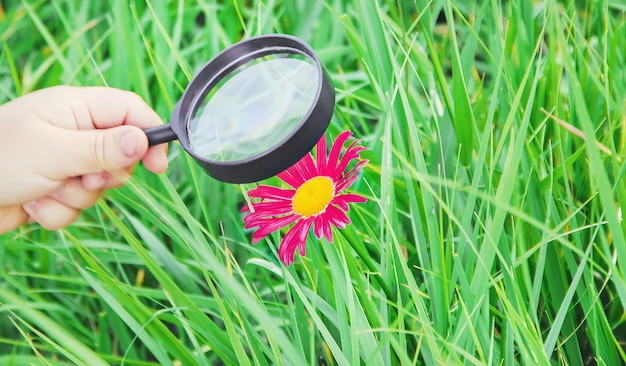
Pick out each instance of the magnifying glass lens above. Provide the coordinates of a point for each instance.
(254, 108)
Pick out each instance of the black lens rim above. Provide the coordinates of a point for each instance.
(296, 145)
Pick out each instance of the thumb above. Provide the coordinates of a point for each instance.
(94, 151)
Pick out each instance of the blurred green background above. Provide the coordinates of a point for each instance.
(493, 231)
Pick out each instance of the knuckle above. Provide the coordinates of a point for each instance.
(134, 97)
(99, 150)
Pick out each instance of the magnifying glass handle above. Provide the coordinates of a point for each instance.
(160, 134)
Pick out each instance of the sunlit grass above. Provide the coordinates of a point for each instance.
(492, 234)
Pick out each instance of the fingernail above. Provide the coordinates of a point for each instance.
(30, 207)
(97, 182)
(128, 143)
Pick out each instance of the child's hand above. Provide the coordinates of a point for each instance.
(61, 147)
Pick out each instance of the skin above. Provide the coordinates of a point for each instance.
(62, 147)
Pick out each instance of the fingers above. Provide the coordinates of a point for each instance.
(156, 159)
(107, 180)
(96, 151)
(11, 218)
(73, 194)
(63, 206)
(89, 108)
(109, 107)
(110, 123)
(50, 213)
(95, 133)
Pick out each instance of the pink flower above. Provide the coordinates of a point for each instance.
(316, 199)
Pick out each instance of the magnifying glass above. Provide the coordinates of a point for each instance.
(253, 110)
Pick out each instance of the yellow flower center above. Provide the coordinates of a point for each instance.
(313, 196)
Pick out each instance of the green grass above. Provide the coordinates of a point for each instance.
(492, 234)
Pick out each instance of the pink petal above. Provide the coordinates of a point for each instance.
(317, 226)
(336, 217)
(300, 172)
(343, 200)
(273, 206)
(352, 153)
(322, 228)
(302, 247)
(320, 151)
(348, 179)
(258, 218)
(295, 238)
(269, 192)
(266, 211)
(288, 177)
(345, 182)
(335, 150)
(273, 225)
(269, 207)
(328, 231)
(309, 165)
(295, 175)
(306, 167)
